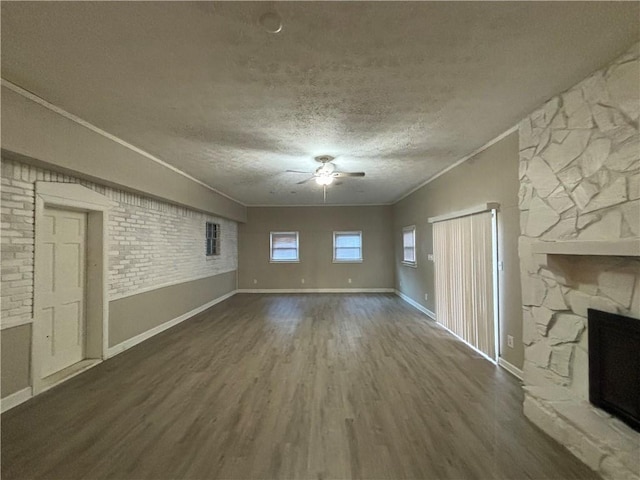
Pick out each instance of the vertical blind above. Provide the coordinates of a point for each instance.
(409, 245)
(463, 256)
(284, 246)
(347, 246)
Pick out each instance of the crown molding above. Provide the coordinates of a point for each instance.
(459, 162)
(70, 116)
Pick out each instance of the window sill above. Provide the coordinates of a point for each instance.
(410, 264)
(284, 261)
(347, 261)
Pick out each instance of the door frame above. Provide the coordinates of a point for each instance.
(73, 196)
(493, 208)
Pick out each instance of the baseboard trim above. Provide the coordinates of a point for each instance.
(416, 305)
(25, 394)
(65, 374)
(133, 341)
(315, 290)
(432, 315)
(492, 360)
(15, 399)
(509, 367)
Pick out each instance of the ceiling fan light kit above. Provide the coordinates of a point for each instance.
(326, 173)
(324, 180)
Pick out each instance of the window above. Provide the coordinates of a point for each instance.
(347, 246)
(212, 238)
(284, 247)
(409, 245)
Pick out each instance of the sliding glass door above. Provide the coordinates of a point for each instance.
(464, 256)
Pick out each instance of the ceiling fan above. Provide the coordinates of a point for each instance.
(326, 173)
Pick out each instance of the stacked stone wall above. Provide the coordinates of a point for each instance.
(580, 182)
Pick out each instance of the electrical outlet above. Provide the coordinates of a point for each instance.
(302, 281)
(430, 257)
(426, 296)
(255, 281)
(349, 280)
(510, 341)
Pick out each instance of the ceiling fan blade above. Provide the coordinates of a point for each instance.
(348, 174)
(304, 181)
(298, 171)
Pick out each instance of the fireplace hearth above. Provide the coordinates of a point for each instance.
(579, 250)
(558, 388)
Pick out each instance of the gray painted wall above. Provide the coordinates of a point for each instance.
(16, 359)
(490, 176)
(31, 132)
(128, 317)
(140, 231)
(131, 316)
(316, 226)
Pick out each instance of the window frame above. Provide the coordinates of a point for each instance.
(408, 263)
(349, 260)
(273, 260)
(214, 241)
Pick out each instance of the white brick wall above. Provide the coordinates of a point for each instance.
(151, 243)
(16, 249)
(154, 243)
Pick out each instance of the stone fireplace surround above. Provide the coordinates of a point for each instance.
(580, 248)
(556, 375)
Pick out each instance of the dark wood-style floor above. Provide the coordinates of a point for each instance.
(287, 386)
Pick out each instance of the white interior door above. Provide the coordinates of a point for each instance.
(62, 288)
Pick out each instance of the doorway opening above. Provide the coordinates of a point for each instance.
(70, 321)
(466, 277)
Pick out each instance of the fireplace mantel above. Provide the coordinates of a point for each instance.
(579, 203)
(618, 248)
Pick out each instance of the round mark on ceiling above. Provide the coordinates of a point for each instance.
(271, 22)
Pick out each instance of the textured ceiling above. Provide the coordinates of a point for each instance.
(399, 90)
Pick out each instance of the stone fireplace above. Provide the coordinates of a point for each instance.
(580, 248)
